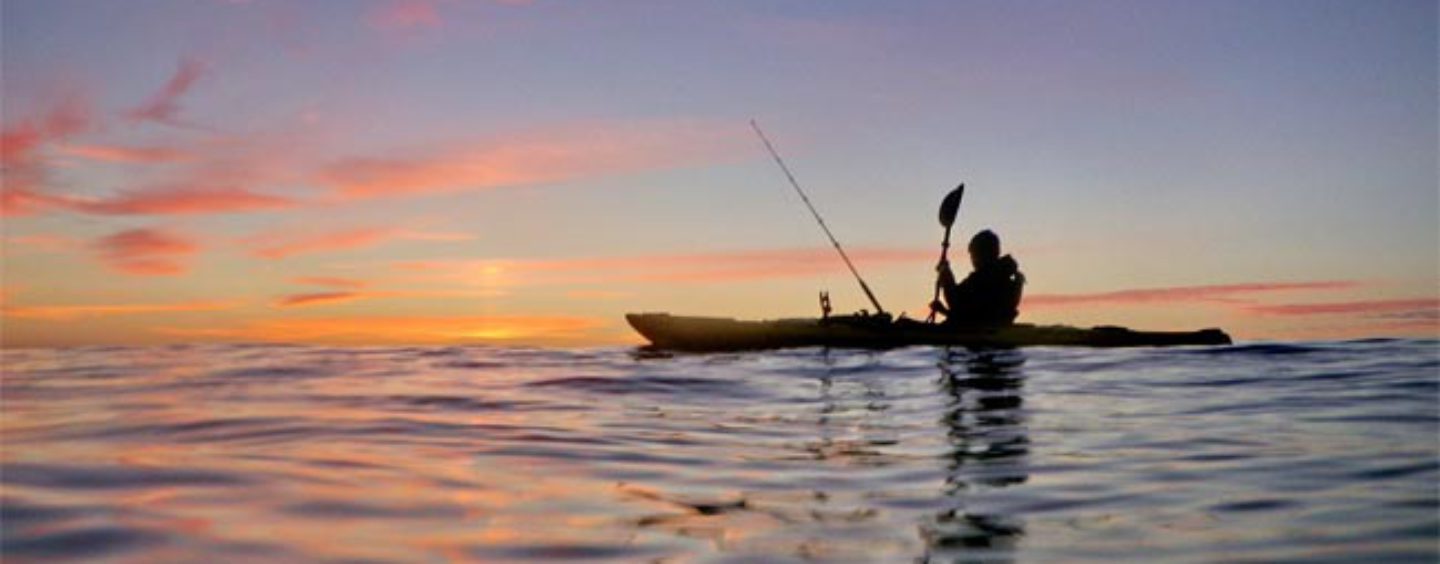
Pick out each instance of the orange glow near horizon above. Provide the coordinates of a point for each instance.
(78, 311)
(361, 330)
(264, 170)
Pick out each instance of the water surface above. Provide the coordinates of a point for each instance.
(1259, 452)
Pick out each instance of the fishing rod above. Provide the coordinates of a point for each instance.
(803, 197)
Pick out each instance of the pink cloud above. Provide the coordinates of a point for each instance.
(221, 175)
(596, 295)
(321, 242)
(40, 243)
(146, 252)
(1410, 309)
(346, 290)
(294, 300)
(548, 156)
(414, 329)
(331, 282)
(342, 296)
(820, 33)
(164, 106)
(1352, 318)
(69, 312)
(71, 115)
(1213, 293)
(747, 265)
(404, 15)
(118, 154)
(18, 143)
(19, 200)
(22, 161)
(701, 268)
(280, 245)
(218, 176)
(177, 200)
(438, 236)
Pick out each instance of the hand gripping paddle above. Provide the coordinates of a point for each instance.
(949, 208)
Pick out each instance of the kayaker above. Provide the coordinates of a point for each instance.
(990, 295)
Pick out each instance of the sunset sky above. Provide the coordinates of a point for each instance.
(526, 172)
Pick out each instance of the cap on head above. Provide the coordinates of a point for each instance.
(985, 245)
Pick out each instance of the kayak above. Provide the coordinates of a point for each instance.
(683, 333)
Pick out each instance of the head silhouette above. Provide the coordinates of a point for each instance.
(984, 248)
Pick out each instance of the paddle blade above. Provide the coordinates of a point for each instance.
(951, 206)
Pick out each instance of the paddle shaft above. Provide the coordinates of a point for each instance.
(944, 252)
(948, 208)
(806, 199)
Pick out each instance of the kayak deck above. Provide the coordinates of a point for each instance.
(725, 334)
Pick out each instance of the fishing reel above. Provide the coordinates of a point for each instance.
(862, 318)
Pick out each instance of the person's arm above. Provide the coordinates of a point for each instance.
(962, 298)
(946, 277)
(945, 281)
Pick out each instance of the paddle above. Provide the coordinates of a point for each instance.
(949, 207)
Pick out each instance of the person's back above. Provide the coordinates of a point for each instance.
(990, 295)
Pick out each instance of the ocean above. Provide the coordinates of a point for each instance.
(1263, 452)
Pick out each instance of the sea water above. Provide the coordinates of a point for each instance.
(1255, 452)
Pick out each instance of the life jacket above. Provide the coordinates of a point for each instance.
(988, 296)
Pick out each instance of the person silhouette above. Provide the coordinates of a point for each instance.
(990, 295)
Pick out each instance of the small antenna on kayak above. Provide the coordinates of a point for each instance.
(791, 178)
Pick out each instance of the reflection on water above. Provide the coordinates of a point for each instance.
(985, 425)
(274, 453)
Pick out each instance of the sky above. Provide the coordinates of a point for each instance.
(526, 172)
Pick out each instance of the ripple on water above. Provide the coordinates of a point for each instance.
(646, 385)
(203, 431)
(1253, 452)
(73, 476)
(86, 542)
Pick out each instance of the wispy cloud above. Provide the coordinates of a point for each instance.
(20, 198)
(1351, 318)
(69, 114)
(41, 242)
(244, 173)
(146, 252)
(278, 247)
(164, 106)
(119, 154)
(22, 160)
(214, 175)
(549, 156)
(316, 298)
(331, 282)
(1367, 324)
(436, 236)
(596, 295)
(71, 312)
(818, 32)
(282, 245)
(1222, 293)
(403, 15)
(1417, 308)
(680, 268)
(259, 170)
(177, 200)
(351, 295)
